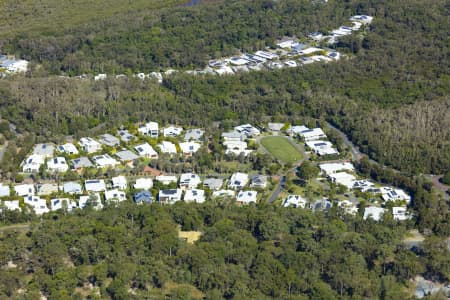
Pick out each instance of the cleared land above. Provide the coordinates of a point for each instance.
(281, 149)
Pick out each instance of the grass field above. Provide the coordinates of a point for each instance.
(281, 149)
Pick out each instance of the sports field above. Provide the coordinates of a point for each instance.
(281, 149)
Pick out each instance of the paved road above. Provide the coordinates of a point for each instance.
(278, 190)
(356, 154)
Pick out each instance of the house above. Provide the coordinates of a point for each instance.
(11, 205)
(189, 148)
(104, 160)
(89, 145)
(294, 201)
(125, 136)
(213, 183)
(259, 182)
(317, 36)
(12, 65)
(62, 203)
(167, 147)
(119, 182)
(233, 136)
(238, 181)
(68, 148)
(223, 194)
(348, 207)
(224, 70)
(247, 130)
(72, 187)
(143, 184)
(92, 199)
(364, 19)
(332, 168)
(239, 61)
(322, 148)
(95, 185)
(32, 163)
(286, 43)
(57, 164)
(169, 196)
(145, 150)
(80, 163)
(309, 51)
(115, 196)
(151, 129)
(189, 181)
(24, 189)
(164, 179)
(295, 130)
(100, 77)
(194, 134)
(172, 131)
(4, 190)
(276, 127)
(143, 197)
(373, 212)
(45, 189)
(312, 134)
(321, 205)
(334, 55)
(236, 148)
(44, 150)
(363, 185)
(194, 195)
(343, 178)
(246, 197)
(126, 156)
(356, 25)
(266, 55)
(109, 140)
(391, 194)
(39, 205)
(400, 213)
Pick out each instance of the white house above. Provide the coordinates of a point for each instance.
(213, 183)
(115, 195)
(259, 181)
(24, 190)
(343, 178)
(194, 134)
(189, 148)
(266, 55)
(172, 131)
(288, 43)
(13, 65)
(12, 205)
(238, 181)
(143, 184)
(125, 135)
(89, 145)
(236, 148)
(364, 19)
(312, 134)
(294, 201)
(44, 189)
(32, 163)
(95, 185)
(60, 203)
(348, 207)
(145, 150)
(109, 140)
(68, 148)
(189, 181)
(223, 193)
(194, 195)
(373, 212)
(4, 190)
(391, 194)
(80, 163)
(233, 136)
(331, 168)
(104, 160)
(400, 213)
(44, 150)
(322, 148)
(248, 130)
(57, 164)
(363, 185)
(119, 182)
(169, 196)
(151, 129)
(93, 199)
(39, 205)
(72, 187)
(167, 147)
(166, 179)
(246, 197)
(276, 127)
(297, 129)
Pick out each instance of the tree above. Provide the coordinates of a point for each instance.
(307, 170)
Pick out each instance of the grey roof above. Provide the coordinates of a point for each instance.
(44, 149)
(233, 135)
(81, 162)
(72, 187)
(259, 179)
(109, 140)
(125, 136)
(213, 183)
(126, 155)
(194, 134)
(275, 126)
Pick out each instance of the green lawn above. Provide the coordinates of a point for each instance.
(281, 149)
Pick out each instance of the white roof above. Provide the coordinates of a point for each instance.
(119, 182)
(312, 134)
(373, 212)
(145, 150)
(39, 205)
(189, 147)
(4, 190)
(24, 189)
(68, 148)
(238, 180)
(58, 203)
(309, 50)
(246, 197)
(115, 195)
(348, 207)
(286, 44)
(400, 213)
(95, 185)
(194, 195)
(172, 131)
(266, 55)
(295, 201)
(87, 141)
(168, 147)
(343, 178)
(322, 147)
(247, 129)
(238, 61)
(11, 205)
(190, 180)
(166, 179)
(143, 183)
(72, 187)
(57, 164)
(224, 193)
(392, 194)
(330, 168)
(104, 160)
(297, 129)
(147, 127)
(223, 70)
(275, 126)
(84, 199)
(45, 150)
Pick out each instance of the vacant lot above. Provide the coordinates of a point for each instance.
(281, 149)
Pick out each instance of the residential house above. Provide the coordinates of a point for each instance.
(348, 207)
(391, 194)
(145, 150)
(119, 182)
(364, 19)
(68, 148)
(165, 179)
(363, 185)
(400, 213)
(172, 131)
(167, 147)
(109, 140)
(4, 190)
(57, 164)
(143, 184)
(194, 195)
(189, 181)
(24, 190)
(151, 129)
(275, 127)
(233, 136)
(104, 160)
(296, 130)
(322, 148)
(125, 136)
(11, 205)
(321, 205)
(343, 178)
(259, 182)
(37, 204)
(312, 134)
(189, 148)
(373, 212)
(213, 183)
(12, 65)
(169, 196)
(62, 203)
(286, 43)
(126, 156)
(194, 134)
(45, 189)
(72, 187)
(44, 150)
(93, 199)
(115, 196)
(80, 163)
(248, 130)
(266, 55)
(238, 181)
(332, 168)
(95, 185)
(246, 197)
(236, 148)
(143, 197)
(32, 163)
(317, 36)
(294, 201)
(223, 194)
(89, 145)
